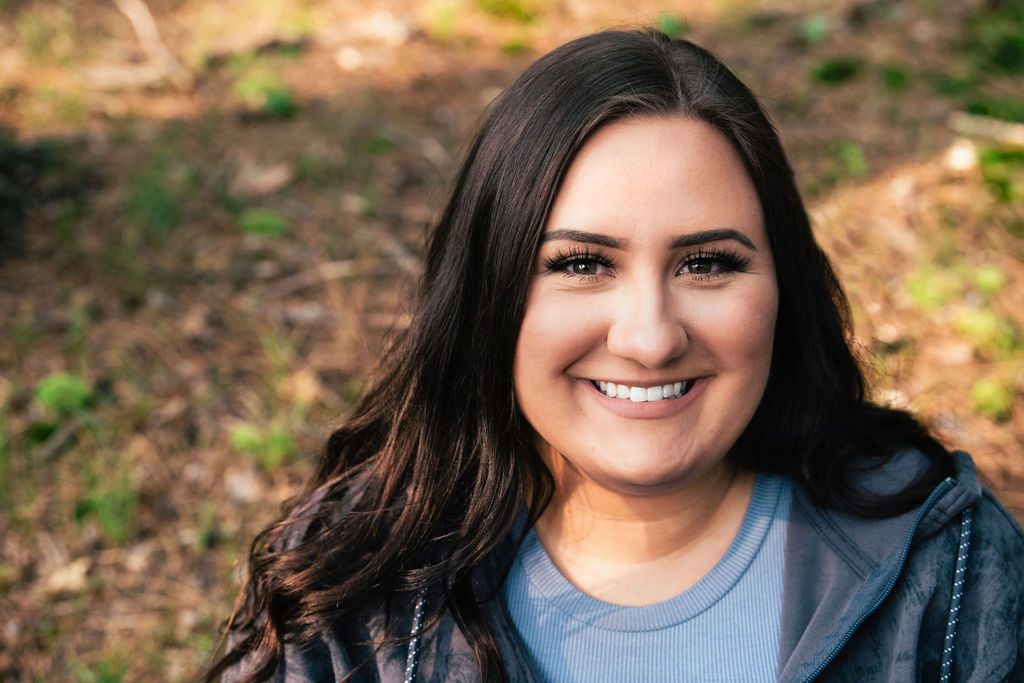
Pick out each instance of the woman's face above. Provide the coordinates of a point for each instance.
(647, 336)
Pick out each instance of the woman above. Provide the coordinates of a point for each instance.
(624, 437)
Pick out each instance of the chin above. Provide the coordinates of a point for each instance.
(652, 479)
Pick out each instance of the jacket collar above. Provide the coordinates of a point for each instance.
(841, 567)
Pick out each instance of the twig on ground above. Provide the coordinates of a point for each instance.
(986, 127)
(333, 270)
(163, 63)
(57, 441)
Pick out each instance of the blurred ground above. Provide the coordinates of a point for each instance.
(205, 231)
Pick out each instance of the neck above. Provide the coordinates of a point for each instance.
(629, 548)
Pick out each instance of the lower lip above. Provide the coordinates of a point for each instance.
(646, 410)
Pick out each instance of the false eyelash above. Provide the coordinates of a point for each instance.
(731, 261)
(561, 259)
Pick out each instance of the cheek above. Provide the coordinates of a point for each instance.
(739, 329)
(556, 331)
(756, 335)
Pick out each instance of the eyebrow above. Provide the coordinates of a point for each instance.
(687, 240)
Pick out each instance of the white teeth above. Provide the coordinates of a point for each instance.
(643, 394)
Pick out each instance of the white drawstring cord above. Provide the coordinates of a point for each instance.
(412, 660)
(946, 672)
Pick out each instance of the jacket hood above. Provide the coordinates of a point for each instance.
(963, 493)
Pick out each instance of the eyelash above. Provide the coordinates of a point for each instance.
(563, 259)
(727, 261)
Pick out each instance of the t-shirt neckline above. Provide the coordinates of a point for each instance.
(545, 577)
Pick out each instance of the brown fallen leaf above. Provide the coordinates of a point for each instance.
(69, 578)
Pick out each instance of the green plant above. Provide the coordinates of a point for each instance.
(894, 78)
(279, 444)
(1003, 172)
(9, 576)
(280, 354)
(353, 391)
(111, 498)
(260, 86)
(993, 397)
(270, 446)
(279, 102)
(203, 643)
(246, 437)
(989, 280)
(64, 394)
(301, 23)
(814, 28)
(516, 10)
(931, 288)
(76, 337)
(950, 85)
(66, 106)
(107, 670)
(838, 70)
(515, 46)
(1014, 225)
(47, 32)
(380, 144)
(673, 24)
(206, 525)
(997, 108)
(442, 18)
(152, 204)
(997, 38)
(991, 334)
(262, 222)
(851, 156)
(38, 432)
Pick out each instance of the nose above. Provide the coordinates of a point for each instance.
(646, 328)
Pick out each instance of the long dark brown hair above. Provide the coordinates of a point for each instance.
(430, 473)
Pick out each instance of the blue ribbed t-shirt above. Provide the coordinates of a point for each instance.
(724, 628)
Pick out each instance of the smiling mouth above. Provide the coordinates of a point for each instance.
(643, 394)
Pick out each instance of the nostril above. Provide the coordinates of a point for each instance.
(651, 347)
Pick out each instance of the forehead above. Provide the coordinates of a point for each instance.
(648, 175)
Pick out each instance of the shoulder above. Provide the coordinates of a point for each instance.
(993, 543)
(991, 518)
(991, 540)
(996, 553)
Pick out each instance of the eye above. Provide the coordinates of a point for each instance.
(713, 263)
(702, 266)
(577, 263)
(583, 267)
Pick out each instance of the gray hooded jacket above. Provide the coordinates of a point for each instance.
(936, 594)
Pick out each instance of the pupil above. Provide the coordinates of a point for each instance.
(583, 268)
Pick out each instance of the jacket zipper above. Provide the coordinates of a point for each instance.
(928, 503)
